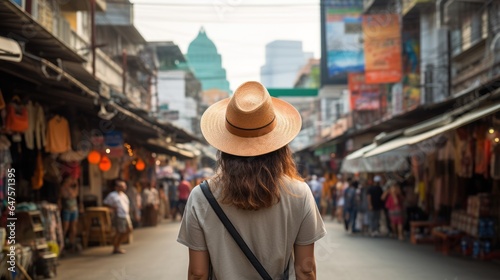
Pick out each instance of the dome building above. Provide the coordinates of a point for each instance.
(206, 63)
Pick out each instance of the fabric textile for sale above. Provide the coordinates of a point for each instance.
(58, 135)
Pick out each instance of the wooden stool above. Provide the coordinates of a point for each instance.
(98, 225)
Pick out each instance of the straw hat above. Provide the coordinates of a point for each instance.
(251, 122)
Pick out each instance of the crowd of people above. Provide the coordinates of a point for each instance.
(142, 205)
(373, 206)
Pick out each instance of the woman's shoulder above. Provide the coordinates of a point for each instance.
(297, 187)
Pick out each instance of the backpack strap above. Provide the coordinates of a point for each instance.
(234, 233)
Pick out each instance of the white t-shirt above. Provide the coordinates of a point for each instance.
(270, 233)
(120, 201)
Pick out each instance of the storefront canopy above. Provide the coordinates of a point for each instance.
(392, 155)
(405, 141)
(354, 162)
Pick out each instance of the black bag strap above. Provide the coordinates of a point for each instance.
(234, 233)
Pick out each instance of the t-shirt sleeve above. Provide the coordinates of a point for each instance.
(312, 227)
(109, 200)
(191, 233)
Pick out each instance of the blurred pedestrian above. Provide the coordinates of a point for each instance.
(394, 204)
(342, 185)
(173, 197)
(333, 195)
(70, 209)
(184, 189)
(151, 203)
(316, 189)
(120, 204)
(375, 205)
(135, 204)
(351, 207)
(259, 189)
(363, 216)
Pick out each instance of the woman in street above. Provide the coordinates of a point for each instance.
(258, 188)
(394, 204)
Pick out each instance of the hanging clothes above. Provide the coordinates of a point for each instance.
(30, 132)
(37, 179)
(463, 153)
(58, 135)
(40, 127)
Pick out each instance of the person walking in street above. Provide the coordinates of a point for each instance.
(258, 188)
(351, 207)
(394, 204)
(69, 206)
(120, 204)
(151, 204)
(341, 187)
(362, 195)
(333, 195)
(184, 189)
(173, 197)
(135, 205)
(316, 189)
(375, 205)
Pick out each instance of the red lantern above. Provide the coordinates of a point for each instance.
(140, 165)
(94, 157)
(105, 164)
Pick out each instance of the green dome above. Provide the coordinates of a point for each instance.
(202, 44)
(206, 62)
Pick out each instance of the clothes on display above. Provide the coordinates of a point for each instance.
(58, 135)
(17, 116)
(35, 134)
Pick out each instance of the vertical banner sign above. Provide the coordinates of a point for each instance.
(363, 96)
(382, 42)
(113, 141)
(343, 34)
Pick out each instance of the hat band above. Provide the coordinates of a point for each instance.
(251, 132)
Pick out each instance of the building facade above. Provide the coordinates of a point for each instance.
(284, 59)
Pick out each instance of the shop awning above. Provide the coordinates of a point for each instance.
(354, 162)
(20, 26)
(160, 146)
(401, 144)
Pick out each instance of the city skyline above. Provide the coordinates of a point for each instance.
(239, 29)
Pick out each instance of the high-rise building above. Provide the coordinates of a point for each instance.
(206, 63)
(283, 60)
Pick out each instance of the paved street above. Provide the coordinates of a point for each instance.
(155, 254)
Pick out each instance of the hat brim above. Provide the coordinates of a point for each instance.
(213, 128)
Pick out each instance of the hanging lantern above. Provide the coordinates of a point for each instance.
(94, 157)
(140, 165)
(105, 164)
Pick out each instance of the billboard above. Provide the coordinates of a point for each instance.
(342, 44)
(363, 96)
(382, 45)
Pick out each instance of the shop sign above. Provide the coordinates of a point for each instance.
(325, 132)
(114, 142)
(344, 50)
(339, 127)
(382, 48)
(363, 96)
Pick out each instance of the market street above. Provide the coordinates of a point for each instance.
(155, 254)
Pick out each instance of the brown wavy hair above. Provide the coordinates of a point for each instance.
(253, 183)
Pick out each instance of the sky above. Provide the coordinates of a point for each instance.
(239, 28)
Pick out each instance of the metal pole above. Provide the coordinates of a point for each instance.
(124, 77)
(93, 34)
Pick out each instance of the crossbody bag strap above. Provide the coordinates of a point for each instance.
(234, 233)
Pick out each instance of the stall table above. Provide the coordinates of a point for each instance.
(446, 242)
